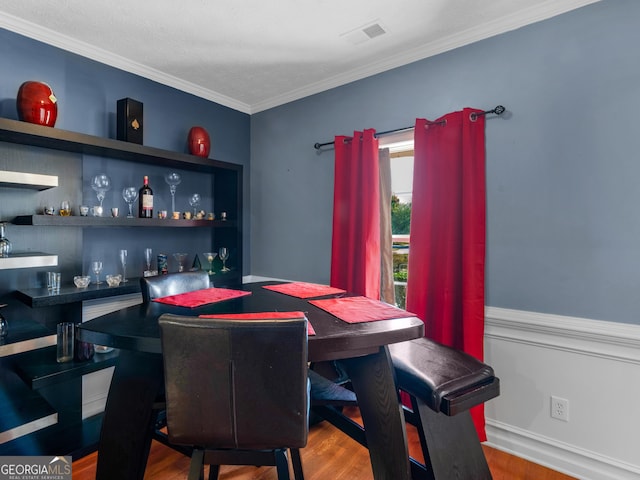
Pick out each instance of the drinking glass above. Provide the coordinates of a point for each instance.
(96, 267)
(148, 253)
(53, 282)
(65, 208)
(194, 201)
(173, 179)
(65, 342)
(209, 256)
(130, 195)
(223, 254)
(101, 183)
(123, 262)
(180, 258)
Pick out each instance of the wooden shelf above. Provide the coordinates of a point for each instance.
(40, 297)
(78, 221)
(39, 369)
(77, 439)
(25, 335)
(24, 411)
(34, 181)
(28, 260)
(54, 138)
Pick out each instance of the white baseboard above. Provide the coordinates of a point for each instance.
(594, 364)
(559, 456)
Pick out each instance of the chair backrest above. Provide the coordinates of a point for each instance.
(238, 384)
(172, 284)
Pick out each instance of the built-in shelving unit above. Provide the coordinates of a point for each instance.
(52, 392)
(226, 181)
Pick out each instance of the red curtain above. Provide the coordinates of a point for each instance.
(355, 247)
(445, 285)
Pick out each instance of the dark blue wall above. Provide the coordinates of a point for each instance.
(87, 93)
(562, 165)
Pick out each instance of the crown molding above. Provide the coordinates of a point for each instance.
(501, 25)
(530, 15)
(64, 42)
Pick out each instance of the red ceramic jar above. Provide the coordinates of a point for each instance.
(199, 142)
(37, 104)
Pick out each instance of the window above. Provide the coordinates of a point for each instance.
(401, 152)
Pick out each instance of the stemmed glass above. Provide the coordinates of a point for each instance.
(130, 195)
(123, 262)
(173, 179)
(101, 183)
(180, 257)
(96, 267)
(223, 254)
(209, 256)
(194, 201)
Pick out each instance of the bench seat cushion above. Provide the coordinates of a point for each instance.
(445, 379)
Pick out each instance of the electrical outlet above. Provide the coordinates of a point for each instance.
(560, 408)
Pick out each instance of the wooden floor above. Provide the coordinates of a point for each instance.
(329, 455)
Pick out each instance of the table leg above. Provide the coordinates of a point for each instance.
(373, 383)
(128, 421)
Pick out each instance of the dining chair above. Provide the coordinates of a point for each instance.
(162, 286)
(237, 390)
(172, 284)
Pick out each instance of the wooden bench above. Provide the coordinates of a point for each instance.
(443, 384)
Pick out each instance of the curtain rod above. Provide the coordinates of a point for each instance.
(499, 110)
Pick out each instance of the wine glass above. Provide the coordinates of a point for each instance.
(96, 267)
(173, 179)
(123, 262)
(209, 256)
(223, 254)
(101, 183)
(180, 258)
(130, 195)
(194, 201)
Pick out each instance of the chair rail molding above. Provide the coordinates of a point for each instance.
(593, 364)
(618, 341)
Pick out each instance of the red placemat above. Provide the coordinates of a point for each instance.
(261, 316)
(201, 297)
(304, 289)
(360, 309)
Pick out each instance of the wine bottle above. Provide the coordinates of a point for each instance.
(145, 200)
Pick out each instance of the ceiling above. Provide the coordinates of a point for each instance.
(251, 55)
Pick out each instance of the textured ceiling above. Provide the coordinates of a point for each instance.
(251, 55)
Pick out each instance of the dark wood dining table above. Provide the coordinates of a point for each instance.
(128, 422)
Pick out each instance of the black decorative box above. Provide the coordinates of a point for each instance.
(129, 120)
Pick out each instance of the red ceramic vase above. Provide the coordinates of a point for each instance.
(37, 104)
(199, 142)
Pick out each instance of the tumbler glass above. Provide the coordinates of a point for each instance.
(64, 352)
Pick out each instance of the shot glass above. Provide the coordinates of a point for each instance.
(65, 342)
